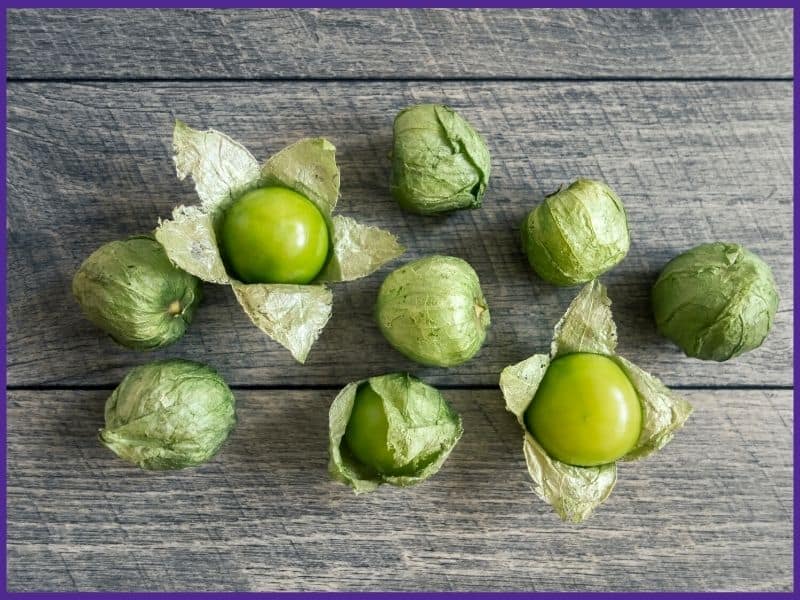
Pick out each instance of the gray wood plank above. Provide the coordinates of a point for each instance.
(713, 511)
(399, 43)
(693, 162)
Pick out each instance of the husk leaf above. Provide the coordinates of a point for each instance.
(587, 326)
(358, 250)
(221, 168)
(191, 244)
(309, 168)
(663, 411)
(292, 315)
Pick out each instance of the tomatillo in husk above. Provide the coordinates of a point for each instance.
(433, 311)
(439, 162)
(582, 408)
(274, 235)
(169, 414)
(270, 233)
(131, 290)
(715, 301)
(390, 429)
(577, 233)
(586, 411)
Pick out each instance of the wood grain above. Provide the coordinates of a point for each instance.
(712, 511)
(693, 162)
(399, 43)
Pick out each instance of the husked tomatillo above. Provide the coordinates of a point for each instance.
(577, 233)
(583, 408)
(274, 235)
(131, 290)
(715, 301)
(585, 412)
(433, 311)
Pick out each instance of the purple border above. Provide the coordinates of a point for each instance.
(397, 595)
(398, 4)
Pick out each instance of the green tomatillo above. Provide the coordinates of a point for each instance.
(367, 432)
(715, 301)
(391, 429)
(433, 311)
(131, 290)
(169, 414)
(582, 408)
(585, 411)
(439, 162)
(274, 235)
(577, 233)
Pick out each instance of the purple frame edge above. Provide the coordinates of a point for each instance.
(11, 4)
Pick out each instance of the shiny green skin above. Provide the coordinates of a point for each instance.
(131, 290)
(433, 311)
(439, 162)
(367, 430)
(576, 234)
(274, 235)
(169, 414)
(585, 412)
(715, 301)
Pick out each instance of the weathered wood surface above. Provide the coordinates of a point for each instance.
(399, 43)
(712, 511)
(693, 161)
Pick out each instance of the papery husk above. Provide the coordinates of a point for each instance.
(576, 234)
(169, 414)
(715, 301)
(433, 311)
(439, 162)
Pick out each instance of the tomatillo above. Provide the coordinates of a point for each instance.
(392, 429)
(367, 432)
(586, 412)
(274, 235)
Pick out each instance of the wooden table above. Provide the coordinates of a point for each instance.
(687, 114)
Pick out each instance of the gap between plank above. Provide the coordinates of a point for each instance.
(487, 79)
